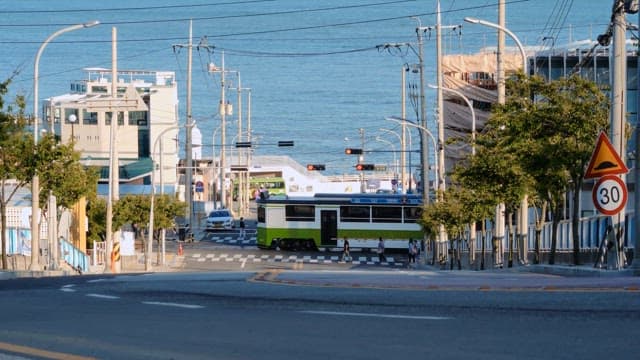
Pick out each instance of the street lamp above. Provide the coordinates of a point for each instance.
(147, 260)
(473, 113)
(395, 160)
(403, 164)
(508, 32)
(72, 119)
(35, 182)
(426, 131)
(524, 214)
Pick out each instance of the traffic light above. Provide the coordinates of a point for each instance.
(362, 167)
(243, 144)
(312, 167)
(351, 151)
(285, 143)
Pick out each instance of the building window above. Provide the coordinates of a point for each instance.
(99, 89)
(138, 118)
(68, 113)
(89, 117)
(109, 115)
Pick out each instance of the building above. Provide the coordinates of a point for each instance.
(146, 107)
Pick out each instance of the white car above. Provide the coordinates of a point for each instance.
(220, 219)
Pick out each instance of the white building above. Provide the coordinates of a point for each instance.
(146, 106)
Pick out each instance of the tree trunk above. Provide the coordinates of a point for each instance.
(554, 235)
(482, 247)
(509, 231)
(3, 215)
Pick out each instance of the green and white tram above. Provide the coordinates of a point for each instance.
(324, 220)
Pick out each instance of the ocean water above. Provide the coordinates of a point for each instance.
(315, 74)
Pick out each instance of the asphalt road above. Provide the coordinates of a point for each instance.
(244, 315)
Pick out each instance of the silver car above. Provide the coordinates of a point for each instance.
(220, 219)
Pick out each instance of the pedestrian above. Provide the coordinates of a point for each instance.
(345, 250)
(242, 231)
(381, 256)
(411, 252)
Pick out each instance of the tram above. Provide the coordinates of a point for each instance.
(325, 220)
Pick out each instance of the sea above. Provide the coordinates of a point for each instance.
(315, 69)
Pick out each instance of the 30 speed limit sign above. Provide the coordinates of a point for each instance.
(610, 194)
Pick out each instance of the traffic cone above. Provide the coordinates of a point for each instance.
(180, 249)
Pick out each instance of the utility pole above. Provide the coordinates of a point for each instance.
(403, 139)
(113, 239)
(424, 153)
(617, 114)
(188, 146)
(361, 160)
(442, 236)
(500, 209)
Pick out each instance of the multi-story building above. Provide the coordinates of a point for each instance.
(146, 107)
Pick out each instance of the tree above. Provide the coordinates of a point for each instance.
(134, 210)
(559, 122)
(57, 164)
(16, 156)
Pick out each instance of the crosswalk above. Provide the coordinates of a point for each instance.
(230, 239)
(223, 257)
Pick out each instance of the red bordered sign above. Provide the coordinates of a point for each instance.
(609, 195)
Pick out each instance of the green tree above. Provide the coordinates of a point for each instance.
(134, 210)
(16, 156)
(556, 124)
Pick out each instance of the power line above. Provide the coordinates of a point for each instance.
(220, 17)
(145, 8)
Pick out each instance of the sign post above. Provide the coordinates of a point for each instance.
(610, 191)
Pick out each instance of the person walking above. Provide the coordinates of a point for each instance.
(411, 252)
(345, 250)
(242, 229)
(381, 256)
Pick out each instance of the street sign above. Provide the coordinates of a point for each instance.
(199, 186)
(609, 195)
(605, 160)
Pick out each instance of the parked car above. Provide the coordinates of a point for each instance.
(220, 219)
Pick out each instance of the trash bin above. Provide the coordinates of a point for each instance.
(182, 233)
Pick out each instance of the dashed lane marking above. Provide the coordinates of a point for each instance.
(387, 316)
(179, 305)
(102, 296)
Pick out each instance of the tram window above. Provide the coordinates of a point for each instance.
(387, 214)
(412, 214)
(300, 213)
(355, 213)
(261, 216)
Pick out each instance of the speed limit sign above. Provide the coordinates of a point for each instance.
(610, 194)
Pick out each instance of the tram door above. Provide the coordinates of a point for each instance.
(328, 227)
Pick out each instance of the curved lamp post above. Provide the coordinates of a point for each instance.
(506, 31)
(35, 182)
(524, 215)
(433, 141)
(473, 113)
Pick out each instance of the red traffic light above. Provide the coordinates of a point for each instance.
(352, 151)
(313, 167)
(362, 167)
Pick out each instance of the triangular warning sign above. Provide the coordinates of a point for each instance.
(605, 160)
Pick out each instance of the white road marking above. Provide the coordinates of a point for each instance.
(68, 288)
(102, 296)
(244, 261)
(388, 316)
(184, 306)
